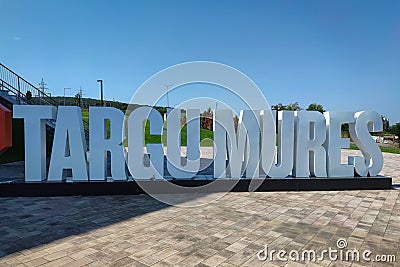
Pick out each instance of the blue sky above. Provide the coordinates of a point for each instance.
(342, 54)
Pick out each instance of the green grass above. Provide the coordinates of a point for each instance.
(393, 150)
(85, 115)
(353, 147)
(206, 136)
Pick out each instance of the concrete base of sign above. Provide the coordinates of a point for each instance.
(44, 189)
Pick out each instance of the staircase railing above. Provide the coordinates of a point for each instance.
(18, 86)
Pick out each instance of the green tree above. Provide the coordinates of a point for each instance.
(279, 107)
(395, 129)
(77, 99)
(345, 130)
(294, 106)
(316, 107)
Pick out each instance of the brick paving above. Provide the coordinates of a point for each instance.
(141, 231)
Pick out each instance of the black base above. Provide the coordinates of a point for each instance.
(46, 189)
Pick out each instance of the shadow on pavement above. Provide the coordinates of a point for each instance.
(32, 221)
(27, 222)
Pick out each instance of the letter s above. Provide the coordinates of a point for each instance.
(366, 122)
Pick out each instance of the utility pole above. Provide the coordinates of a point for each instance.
(80, 96)
(101, 92)
(42, 87)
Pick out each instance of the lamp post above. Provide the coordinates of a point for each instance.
(64, 93)
(101, 92)
(167, 86)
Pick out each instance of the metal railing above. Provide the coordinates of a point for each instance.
(19, 87)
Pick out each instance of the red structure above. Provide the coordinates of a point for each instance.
(5, 128)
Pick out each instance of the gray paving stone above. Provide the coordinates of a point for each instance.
(140, 231)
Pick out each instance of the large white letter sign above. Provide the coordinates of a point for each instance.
(35, 138)
(225, 139)
(310, 134)
(174, 165)
(372, 162)
(334, 142)
(267, 126)
(136, 141)
(69, 146)
(284, 154)
(99, 144)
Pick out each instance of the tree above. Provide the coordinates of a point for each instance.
(316, 107)
(207, 119)
(292, 106)
(77, 99)
(395, 129)
(345, 130)
(279, 107)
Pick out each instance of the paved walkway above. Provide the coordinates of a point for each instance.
(141, 231)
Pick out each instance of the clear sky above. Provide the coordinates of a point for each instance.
(342, 54)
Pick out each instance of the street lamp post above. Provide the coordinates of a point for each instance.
(101, 92)
(167, 86)
(64, 93)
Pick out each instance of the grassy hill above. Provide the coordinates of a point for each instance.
(206, 136)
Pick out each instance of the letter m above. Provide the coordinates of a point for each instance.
(237, 147)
